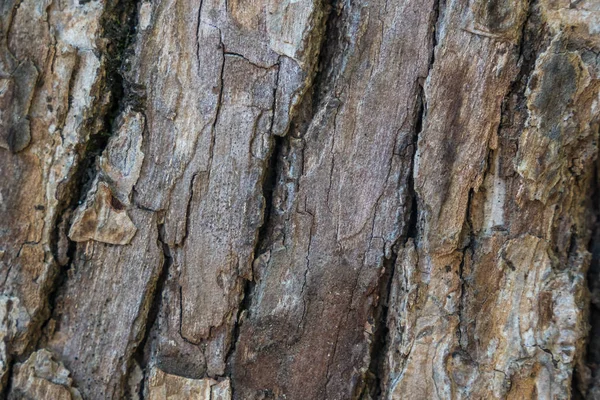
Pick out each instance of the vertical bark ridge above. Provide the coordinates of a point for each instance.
(118, 25)
(379, 369)
(123, 128)
(67, 97)
(318, 254)
(388, 363)
(141, 356)
(501, 252)
(236, 97)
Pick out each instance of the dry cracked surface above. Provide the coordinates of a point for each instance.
(299, 199)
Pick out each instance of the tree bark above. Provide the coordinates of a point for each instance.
(299, 199)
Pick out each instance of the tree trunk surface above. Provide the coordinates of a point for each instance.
(299, 199)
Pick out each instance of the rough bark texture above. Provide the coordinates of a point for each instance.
(299, 199)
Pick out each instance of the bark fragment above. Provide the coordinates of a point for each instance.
(165, 386)
(41, 377)
(102, 218)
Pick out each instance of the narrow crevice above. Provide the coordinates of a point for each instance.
(374, 382)
(533, 41)
(8, 385)
(268, 187)
(435, 27)
(412, 229)
(330, 63)
(332, 42)
(140, 356)
(468, 249)
(213, 128)
(421, 115)
(586, 384)
(273, 174)
(188, 209)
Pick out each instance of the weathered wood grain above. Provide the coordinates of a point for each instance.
(342, 204)
(298, 199)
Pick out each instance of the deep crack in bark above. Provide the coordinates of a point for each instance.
(119, 22)
(375, 383)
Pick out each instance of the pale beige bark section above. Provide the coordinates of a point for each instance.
(164, 386)
(41, 377)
